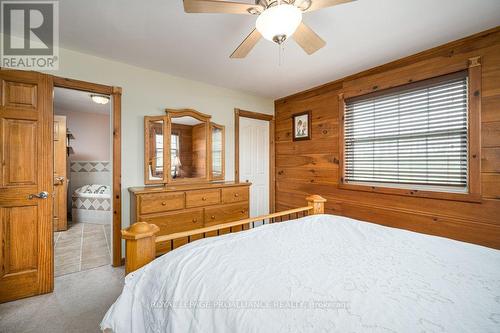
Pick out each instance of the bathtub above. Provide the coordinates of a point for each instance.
(92, 204)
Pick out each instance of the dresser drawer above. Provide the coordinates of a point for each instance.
(176, 222)
(234, 194)
(225, 213)
(160, 202)
(202, 198)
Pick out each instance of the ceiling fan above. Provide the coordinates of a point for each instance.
(277, 20)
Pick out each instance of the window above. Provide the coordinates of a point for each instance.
(159, 152)
(174, 152)
(412, 137)
(216, 152)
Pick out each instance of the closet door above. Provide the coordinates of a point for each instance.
(60, 176)
(26, 262)
(254, 162)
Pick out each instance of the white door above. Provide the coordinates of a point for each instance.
(254, 162)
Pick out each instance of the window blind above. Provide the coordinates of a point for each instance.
(412, 136)
(174, 151)
(159, 151)
(217, 152)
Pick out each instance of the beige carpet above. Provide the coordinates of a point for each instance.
(77, 304)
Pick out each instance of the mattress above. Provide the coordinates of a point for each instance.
(320, 273)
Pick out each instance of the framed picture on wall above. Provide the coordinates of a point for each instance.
(301, 126)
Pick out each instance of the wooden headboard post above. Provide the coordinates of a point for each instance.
(317, 202)
(140, 246)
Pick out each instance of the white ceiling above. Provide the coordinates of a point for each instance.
(186, 120)
(157, 34)
(75, 100)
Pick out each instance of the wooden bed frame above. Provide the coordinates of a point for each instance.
(140, 239)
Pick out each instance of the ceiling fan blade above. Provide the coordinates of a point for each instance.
(319, 4)
(220, 6)
(308, 39)
(247, 45)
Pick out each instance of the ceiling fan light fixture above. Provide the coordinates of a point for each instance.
(279, 22)
(100, 99)
(253, 11)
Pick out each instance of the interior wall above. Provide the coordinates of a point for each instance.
(312, 167)
(147, 92)
(92, 134)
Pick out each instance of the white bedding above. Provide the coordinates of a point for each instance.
(320, 273)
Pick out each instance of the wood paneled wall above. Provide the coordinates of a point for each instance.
(185, 133)
(199, 151)
(312, 167)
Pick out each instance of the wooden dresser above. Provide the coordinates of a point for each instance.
(177, 208)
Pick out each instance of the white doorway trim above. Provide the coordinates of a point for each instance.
(260, 116)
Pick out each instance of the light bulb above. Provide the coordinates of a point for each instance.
(279, 22)
(100, 99)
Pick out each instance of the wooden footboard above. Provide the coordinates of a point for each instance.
(140, 239)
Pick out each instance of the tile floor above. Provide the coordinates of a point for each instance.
(83, 246)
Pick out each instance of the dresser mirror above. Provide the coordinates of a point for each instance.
(154, 132)
(218, 142)
(188, 148)
(194, 148)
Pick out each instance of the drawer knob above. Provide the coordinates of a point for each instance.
(243, 211)
(164, 203)
(204, 198)
(195, 220)
(236, 195)
(212, 217)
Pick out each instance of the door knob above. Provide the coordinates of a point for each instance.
(41, 195)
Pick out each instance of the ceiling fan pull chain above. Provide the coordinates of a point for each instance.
(281, 54)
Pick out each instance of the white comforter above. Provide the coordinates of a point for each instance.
(316, 274)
